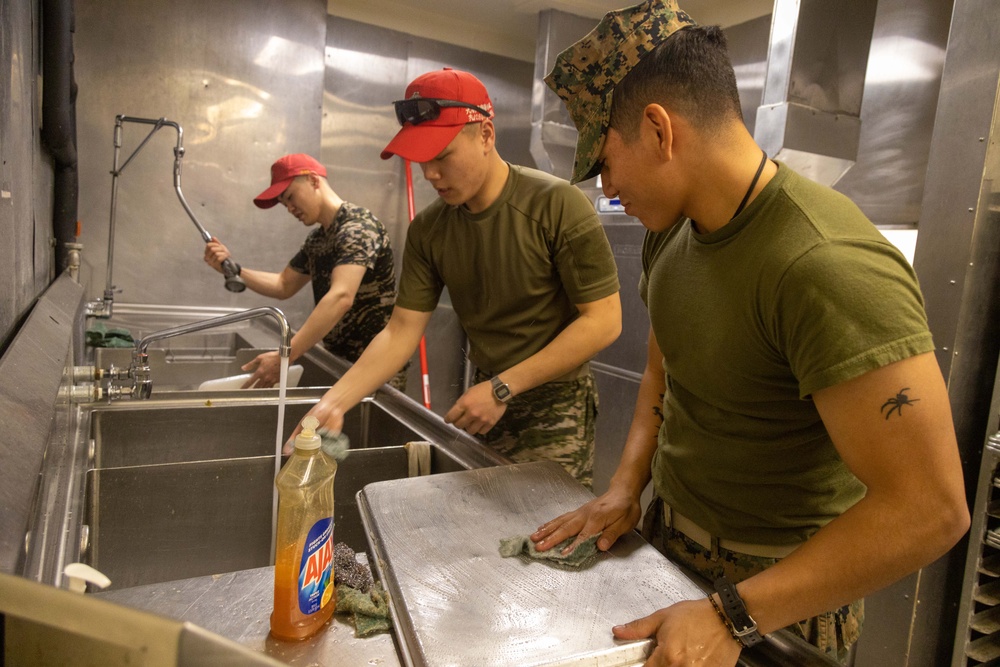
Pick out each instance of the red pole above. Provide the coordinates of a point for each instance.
(424, 375)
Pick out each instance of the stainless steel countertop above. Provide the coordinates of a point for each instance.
(457, 602)
(237, 606)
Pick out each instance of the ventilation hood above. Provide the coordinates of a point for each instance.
(553, 134)
(810, 113)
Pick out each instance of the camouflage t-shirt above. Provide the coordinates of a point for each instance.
(355, 237)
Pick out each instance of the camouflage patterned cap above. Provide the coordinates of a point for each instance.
(586, 73)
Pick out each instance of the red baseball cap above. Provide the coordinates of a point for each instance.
(283, 172)
(423, 142)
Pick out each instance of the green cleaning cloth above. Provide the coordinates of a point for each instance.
(335, 445)
(582, 556)
(370, 610)
(100, 335)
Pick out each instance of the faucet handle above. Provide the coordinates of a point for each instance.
(142, 382)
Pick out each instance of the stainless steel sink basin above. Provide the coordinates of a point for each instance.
(178, 492)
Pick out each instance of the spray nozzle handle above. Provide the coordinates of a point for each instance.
(231, 270)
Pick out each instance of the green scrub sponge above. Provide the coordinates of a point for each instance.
(582, 556)
(334, 445)
(100, 335)
(370, 610)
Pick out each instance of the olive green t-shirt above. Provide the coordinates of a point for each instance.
(513, 271)
(798, 293)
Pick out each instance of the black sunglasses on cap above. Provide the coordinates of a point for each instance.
(416, 110)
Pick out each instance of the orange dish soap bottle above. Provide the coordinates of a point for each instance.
(304, 593)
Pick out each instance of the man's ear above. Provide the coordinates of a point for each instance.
(658, 127)
(487, 132)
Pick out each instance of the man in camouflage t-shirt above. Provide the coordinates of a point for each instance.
(348, 258)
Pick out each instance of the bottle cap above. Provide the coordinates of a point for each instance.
(307, 438)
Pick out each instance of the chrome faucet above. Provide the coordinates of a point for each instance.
(138, 371)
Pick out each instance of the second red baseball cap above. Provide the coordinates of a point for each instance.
(283, 172)
(424, 141)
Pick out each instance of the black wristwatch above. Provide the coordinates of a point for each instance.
(500, 389)
(743, 626)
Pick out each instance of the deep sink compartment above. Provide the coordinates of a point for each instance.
(179, 492)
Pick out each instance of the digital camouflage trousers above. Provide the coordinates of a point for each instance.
(833, 633)
(552, 422)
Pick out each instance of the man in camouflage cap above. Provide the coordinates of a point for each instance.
(792, 415)
(347, 258)
(585, 75)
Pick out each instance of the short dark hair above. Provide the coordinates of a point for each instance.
(689, 72)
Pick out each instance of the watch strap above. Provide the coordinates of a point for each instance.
(743, 626)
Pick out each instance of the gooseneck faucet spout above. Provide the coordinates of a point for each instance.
(142, 383)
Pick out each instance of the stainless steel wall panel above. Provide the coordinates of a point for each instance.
(618, 368)
(748, 44)
(628, 352)
(365, 72)
(617, 392)
(25, 170)
(244, 80)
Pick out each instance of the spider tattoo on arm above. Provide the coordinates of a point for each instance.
(897, 402)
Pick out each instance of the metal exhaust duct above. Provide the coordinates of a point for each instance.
(810, 113)
(553, 134)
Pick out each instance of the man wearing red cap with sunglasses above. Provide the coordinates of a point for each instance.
(529, 272)
(348, 259)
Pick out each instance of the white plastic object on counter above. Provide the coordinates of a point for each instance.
(81, 574)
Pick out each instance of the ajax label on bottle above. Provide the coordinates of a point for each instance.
(316, 570)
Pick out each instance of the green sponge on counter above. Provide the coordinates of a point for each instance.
(100, 335)
(370, 610)
(580, 557)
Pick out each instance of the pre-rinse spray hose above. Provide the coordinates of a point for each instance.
(234, 283)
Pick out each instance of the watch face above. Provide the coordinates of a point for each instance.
(500, 390)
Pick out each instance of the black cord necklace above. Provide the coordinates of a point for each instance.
(753, 184)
